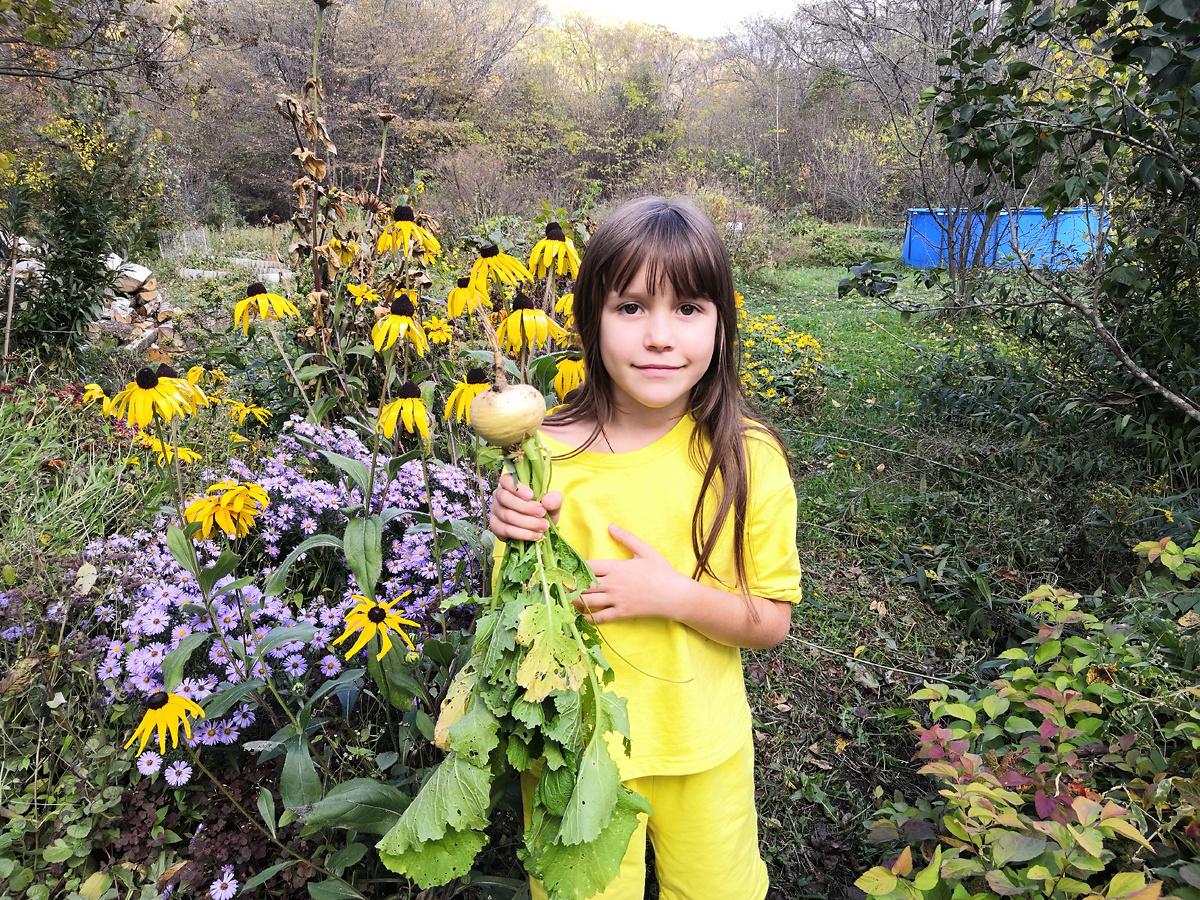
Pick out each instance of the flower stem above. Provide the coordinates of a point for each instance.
(287, 362)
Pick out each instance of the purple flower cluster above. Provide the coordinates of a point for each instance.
(152, 604)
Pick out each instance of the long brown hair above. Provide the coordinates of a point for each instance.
(678, 244)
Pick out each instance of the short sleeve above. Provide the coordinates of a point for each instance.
(773, 563)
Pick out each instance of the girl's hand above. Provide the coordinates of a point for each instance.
(646, 585)
(516, 516)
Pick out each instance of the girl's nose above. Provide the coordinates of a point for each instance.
(659, 333)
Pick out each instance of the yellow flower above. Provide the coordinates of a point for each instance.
(526, 325)
(145, 397)
(93, 393)
(188, 391)
(238, 412)
(165, 712)
(266, 305)
(565, 307)
(363, 292)
(199, 375)
(344, 251)
(554, 244)
(369, 618)
(238, 439)
(231, 505)
(466, 296)
(398, 236)
(166, 452)
(494, 264)
(438, 331)
(570, 376)
(399, 323)
(459, 404)
(409, 408)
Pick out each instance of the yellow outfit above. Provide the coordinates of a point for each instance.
(688, 714)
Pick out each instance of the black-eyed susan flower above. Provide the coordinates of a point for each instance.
(438, 331)
(459, 404)
(165, 712)
(527, 326)
(570, 376)
(229, 505)
(399, 323)
(148, 396)
(565, 307)
(342, 253)
(466, 295)
(554, 246)
(238, 412)
(189, 391)
(398, 237)
(93, 393)
(494, 264)
(408, 408)
(205, 375)
(262, 304)
(166, 452)
(363, 293)
(369, 618)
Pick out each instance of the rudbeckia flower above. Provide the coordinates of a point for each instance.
(166, 452)
(398, 236)
(554, 246)
(264, 304)
(165, 712)
(466, 295)
(370, 618)
(147, 396)
(459, 404)
(205, 374)
(363, 293)
(93, 393)
(342, 251)
(238, 412)
(438, 331)
(231, 505)
(409, 408)
(189, 391)
(526, 325)
(494, 264)
(565, 307)
(569, 377)
(399, 323)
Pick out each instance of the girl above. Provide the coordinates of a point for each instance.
(682, 500)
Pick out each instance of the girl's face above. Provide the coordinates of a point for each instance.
(655, 347)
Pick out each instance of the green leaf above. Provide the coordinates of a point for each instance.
(597, 786)
(582, 870)
(173, 662)
(307, 373)
(266, 808)
(216, 705)
(1002, 883)
(1014, 653)
(299, 785)
(876, 882)
(928, 878)
(363, 546)
(456, 797)
(331, 889)
(436, 862)
(1018, 725)
(994, 705)
(960, 711)
(277, 583)
(225, 564)
(265, 875)
(181, 548)
(360, 803)
(358, 473)
(285, 634)
(476, 734)
(347, 856)
(1047, 651)
(59, 851)
(1010, 846)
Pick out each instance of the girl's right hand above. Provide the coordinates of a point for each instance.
(517, 516)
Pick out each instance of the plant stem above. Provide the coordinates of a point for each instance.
(292, 372)
(12, 291)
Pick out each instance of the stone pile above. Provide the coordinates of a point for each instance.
(136, 311)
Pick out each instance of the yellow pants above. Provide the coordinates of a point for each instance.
(705, 835)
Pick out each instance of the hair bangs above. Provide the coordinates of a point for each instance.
(666, 245)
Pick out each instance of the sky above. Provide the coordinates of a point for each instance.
(698, 18)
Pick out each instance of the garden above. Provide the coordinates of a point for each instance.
(255, 637)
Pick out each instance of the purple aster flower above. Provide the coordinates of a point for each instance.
(178, 774)
(149, 762)
(243, 718)
(224, 888)
(227, 734)
(295, 665)
(330, 666)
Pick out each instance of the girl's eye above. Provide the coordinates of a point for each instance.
(689, 309)
(628, 308)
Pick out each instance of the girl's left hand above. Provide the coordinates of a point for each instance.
(642, 586)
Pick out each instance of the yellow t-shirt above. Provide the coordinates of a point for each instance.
(686, 693)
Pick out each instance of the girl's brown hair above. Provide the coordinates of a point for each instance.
(677, 244)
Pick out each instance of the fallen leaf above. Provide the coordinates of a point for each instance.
(1189, 619)
(85, 578)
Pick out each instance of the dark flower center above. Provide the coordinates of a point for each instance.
(554, 232)
(403, 214)
(256, 288)
(165, 371)
(408, 391)
(464, 282)
(146, 379)
(521, 301)
(477, 376)
(385, 115)
(487, 251)
(497, 304)
(403, 306)
(377, 614)
(157, 700)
